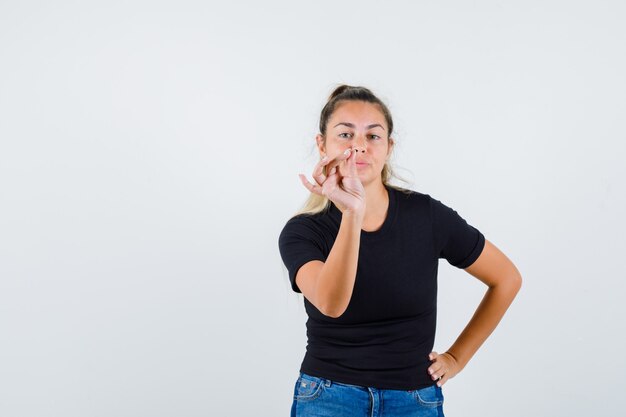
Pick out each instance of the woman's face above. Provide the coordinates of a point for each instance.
(360, 125)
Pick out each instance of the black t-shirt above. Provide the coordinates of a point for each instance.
(384, 337)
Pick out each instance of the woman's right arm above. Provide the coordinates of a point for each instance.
(328, 285)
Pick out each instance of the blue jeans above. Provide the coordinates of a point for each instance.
(320, 397)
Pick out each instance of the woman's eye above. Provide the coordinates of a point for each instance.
(347, 135)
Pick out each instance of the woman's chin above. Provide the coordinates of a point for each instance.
(366, 179)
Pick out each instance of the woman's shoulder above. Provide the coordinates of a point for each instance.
(409, 195)
(319, 228)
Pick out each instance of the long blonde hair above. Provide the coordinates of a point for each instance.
(317, 203)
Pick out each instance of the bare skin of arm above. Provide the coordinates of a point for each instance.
(504, 281)
(329, 285)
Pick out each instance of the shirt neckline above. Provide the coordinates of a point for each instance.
(391, 214)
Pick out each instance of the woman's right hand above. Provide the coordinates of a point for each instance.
(340, 184)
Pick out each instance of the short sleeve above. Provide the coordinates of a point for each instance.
(299, 243)
(455, 240)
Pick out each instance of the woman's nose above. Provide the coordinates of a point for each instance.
(360, 144)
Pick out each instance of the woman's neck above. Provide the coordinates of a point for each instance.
(376, 202)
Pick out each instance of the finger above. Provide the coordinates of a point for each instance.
(339, 159)
(438, 375)
(442, 381)
(318, 171)
(345, 165)
(312, 188)
(352, 164)
(432, 355)
(435, 368)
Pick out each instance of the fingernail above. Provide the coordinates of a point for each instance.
(347, 152)
(325, 158)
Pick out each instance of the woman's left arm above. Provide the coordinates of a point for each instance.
(504, 281)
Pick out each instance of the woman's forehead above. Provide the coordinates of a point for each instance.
(357, 114)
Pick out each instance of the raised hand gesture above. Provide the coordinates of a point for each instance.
(339, 182)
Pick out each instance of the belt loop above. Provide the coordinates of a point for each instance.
(327, 382)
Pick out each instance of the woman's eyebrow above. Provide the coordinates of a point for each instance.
(352, 125)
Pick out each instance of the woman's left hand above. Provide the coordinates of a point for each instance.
(444, 366)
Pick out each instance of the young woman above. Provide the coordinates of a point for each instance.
(365, 255)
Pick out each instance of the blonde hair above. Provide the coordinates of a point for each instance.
(318, 203)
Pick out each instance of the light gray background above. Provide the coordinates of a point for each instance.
(149, 156)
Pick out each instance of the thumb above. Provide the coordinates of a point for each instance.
(352, 162)
(432, 355)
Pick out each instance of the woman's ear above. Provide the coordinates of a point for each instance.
(391, 145)
(319, 138)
